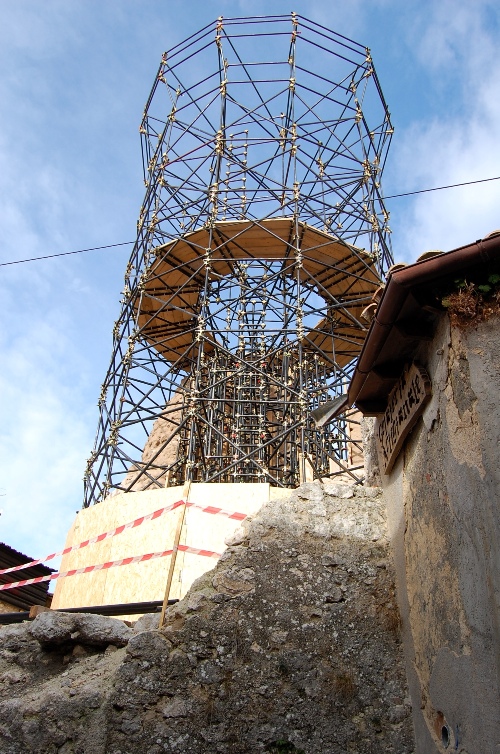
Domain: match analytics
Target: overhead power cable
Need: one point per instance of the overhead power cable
(67, 253)
(127, 243)
(440, 188)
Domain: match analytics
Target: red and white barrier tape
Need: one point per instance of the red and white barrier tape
(218, 511)
(111, 564)
(131, 525)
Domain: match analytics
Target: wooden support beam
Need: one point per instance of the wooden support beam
(175, 549)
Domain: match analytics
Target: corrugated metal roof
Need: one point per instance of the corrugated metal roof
(23, 597)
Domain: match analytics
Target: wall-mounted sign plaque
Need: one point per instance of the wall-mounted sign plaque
(405, 404)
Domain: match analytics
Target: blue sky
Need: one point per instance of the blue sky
(75, 75)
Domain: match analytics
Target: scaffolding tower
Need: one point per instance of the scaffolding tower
(262, 237)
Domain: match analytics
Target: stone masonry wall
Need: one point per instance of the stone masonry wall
(291, 644)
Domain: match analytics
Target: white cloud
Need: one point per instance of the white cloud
(453, 33)
(457, 46)
(42, 437)
(444, 154)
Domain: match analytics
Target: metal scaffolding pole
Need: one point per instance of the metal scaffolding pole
(262, 237)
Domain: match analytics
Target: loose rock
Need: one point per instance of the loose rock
(53, 628)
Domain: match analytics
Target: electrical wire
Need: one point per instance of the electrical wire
(440, 188)
(127, 243)
(67, 253)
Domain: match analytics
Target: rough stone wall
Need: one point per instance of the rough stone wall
(445, 522)
(291, 644)
(158, 448)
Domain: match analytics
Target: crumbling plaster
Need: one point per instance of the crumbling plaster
(444, 522)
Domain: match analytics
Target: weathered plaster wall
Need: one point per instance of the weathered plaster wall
(444, 521)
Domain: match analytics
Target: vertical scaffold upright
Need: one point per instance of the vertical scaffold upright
(262, 237)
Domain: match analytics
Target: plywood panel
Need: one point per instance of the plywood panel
(146, 581)
(125, 583)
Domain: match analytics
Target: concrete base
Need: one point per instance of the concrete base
(147, 581)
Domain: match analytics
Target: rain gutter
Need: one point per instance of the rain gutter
(397, 290)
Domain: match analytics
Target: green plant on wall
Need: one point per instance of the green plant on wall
(473, 300)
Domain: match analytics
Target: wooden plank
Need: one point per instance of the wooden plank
(326, 261)
(175, 549)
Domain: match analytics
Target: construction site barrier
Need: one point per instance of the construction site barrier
(118, 530)
(111, 564)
